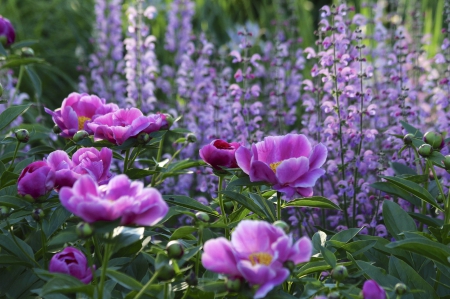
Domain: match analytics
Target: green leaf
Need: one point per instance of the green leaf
(400, 169)
(393, 189)
(346, 235)
(328, 256)
(65, 236)
(124, 280)
(246, 202)
(397, 220)
(65, 284)
(125, 236)
(13, 62)
(184, 232)
(358, 247)
(245, 181)
(11, 260)
(12, 201)
(57, 219)
(315, 267)
(409, 276)
(187, 202)
(24, 252)
(412, 130)
(413, 188)
(24, 43)
(425, 247)
(427, 219)
(11, 114)
(312, 202)
(134, 173)
(265, 205)
(35, 80)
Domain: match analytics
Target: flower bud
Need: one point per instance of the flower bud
(22, 135)
(84, 230)
(446, 162)
(7, 33)
(175, 250)
(4, 211)
(229, 207)
(408, 139)
(434, 139)
(233, 285)
(191, 138)
(400, 288)
(37, 214)
(202, 216)
(169, 121)
(27, 52)
(191, 279)
(80, 135)
(283, 225)
(56, 129)
(143, 138)
(289, 265)
(166, 272)
(1, 89)
(440, 198)
(425, 150)
(339, 273)
(334, 295)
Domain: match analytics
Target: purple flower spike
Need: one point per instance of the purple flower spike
(7, 33)
(256, 253)
(289, 163)
(371, 290)
(121, 198)
(73, 262)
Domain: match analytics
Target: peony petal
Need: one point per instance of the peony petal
(309, 179)
(260, 171)
(280, 277)
(243, 158)
(291, 169)
(306, 192)
(301, 251)
(218, 257)
(318, 156)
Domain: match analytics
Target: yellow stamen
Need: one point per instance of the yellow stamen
(260, 258)
(274, 166)
(81, 121)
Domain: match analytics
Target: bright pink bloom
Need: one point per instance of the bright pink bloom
(371, 290)
(77, 110)
(256, 253)
(73, 262)
(118, 126)
(289, 163)
(220, 153)
(121, 198)
(90, 160)
(37, 179)
(7, 31)
(61, 163)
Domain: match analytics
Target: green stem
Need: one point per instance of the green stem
(278, 205)
(90, 260)
(44, 245)
(105, 260)
(15, 155)
(424, 203)
(441, 190)
(147, 285)
(186, 293)
(200, 242)
(166, 290)
(158, 158)
(125, 164)
(19, 80)
(222, 208)
(98, 254)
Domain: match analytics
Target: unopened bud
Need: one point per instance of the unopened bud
(37, 214)
(27, 52)
(446, 162)
(22, 135)
(408, 139)
(4, 212)
(191, 279)
(339, 273)
(233, 285)
(84, 230)
(400, 288)
(425, 150)
(169, 121)
(283, 225)
(57, 129)
(202, 216)
(143, 138)
(175, 250)
(80, 135)
(166, 272)
(191, 138)
(434, 139)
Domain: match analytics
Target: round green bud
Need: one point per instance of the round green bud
(27, 52)
(202, 216)
(446, 162)
(289, 265)
(170, 120)
(339, 273)
(233, 285)
(400, 288)
(143, 138)
(80, 135)
(84, 230)
(191, 279)
(425, 150)
(1, 89)
(4, 212)
(434, 139)
(440, 198)
(56, 129)
(283, 225)
(22, 135)
(175, 250)
(166, 272)
(37, 214)
(229, 207)
(408, 139)
(191, 138)
(334, 295)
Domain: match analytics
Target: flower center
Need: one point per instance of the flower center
(260, 258)
(81, 121)
(274, 166)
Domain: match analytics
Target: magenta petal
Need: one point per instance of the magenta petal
(252, 236)
(218, 257)
(70, 119)
(260, 171)
(280, 277)
(306, 192)
(301, 251)
(58, 160)
(287, 190)
(255, 274)
(291, 169)
(243, 158)
(318, 156)
(309, 179)
(294, 146)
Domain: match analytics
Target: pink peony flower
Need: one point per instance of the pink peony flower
(77, 110)
(121, 198)
(62, 165)
(256, 253)
(289, 163)
(220, 153)
(73, 262)
(371, 290)
(118, 126)
(7, 33)
(96, 163)
(37, 179)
